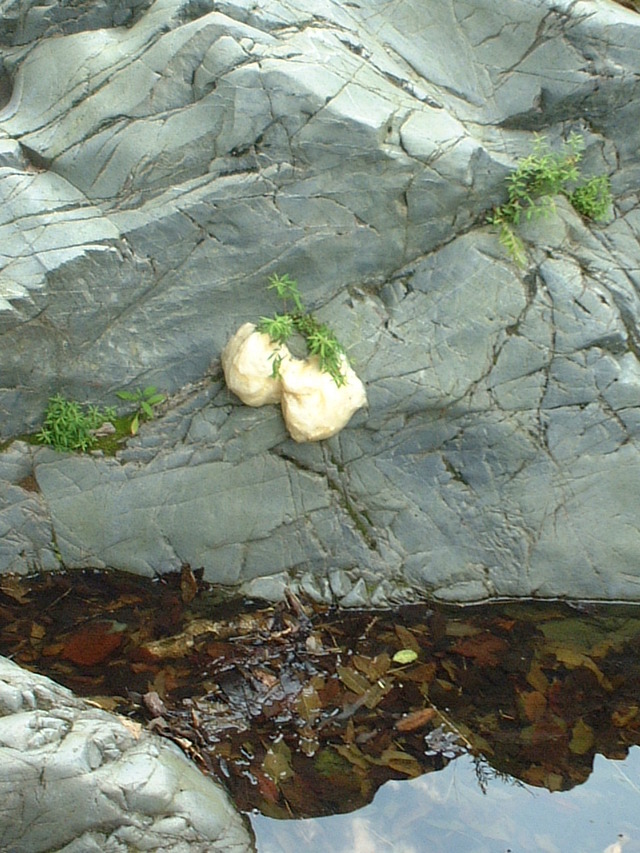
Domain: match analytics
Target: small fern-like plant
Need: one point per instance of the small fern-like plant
(69, 425)
(319, 338)
(539, 177)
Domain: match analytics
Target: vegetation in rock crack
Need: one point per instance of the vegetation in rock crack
(145, 399)
(69, 425)
(593, 199)
(539, 177)
(319, 338)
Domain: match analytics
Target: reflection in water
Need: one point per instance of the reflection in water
(306, 712)
(447, 812)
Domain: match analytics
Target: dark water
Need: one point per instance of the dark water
(509, 727)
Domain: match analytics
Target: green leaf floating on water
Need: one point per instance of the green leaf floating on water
(405, 656)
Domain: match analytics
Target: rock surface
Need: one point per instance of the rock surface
(74, 778)
(159, 161)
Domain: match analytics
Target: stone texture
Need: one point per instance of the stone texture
(159, 162)
(77, 779)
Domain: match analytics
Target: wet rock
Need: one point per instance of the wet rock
(75, 777)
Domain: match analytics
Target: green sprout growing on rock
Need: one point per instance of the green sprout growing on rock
(69, 425)
(540, 176)
(146, 399)
(319, 338)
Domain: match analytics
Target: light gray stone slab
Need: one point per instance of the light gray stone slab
(159, 161)
(76, 778)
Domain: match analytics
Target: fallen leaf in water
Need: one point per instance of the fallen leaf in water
(537, 679)
(485, 649)
(582, 738)
(423, 673)
(534, 704)
(353, 755)
(92, 644)
(461, 629)
(416, 720)
(573, 659)
(277, 762)
(408, 639)
(353, 680)
(308, 704)
(188, 584)
(405, 656)
(623, 716)
(377, 692)
(373, 668)
(13, 587)
(267, 787)
(401, 761)
(37, 631)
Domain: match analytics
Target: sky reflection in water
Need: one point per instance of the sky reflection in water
(447, 812)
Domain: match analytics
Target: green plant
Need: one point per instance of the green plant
(593, 199)
(145, 399)
(69, 425)
(319, 338)
(540, 176)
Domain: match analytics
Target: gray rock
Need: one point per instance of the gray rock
(158, 163)
(76, 778)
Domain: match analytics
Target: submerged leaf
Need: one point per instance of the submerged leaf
(353, 680)
(405, 656)
(485, 649)
(416, 720)
(373, 668)
(277, 762)
(401, 761)
(408, 640)
(582, 738)
(308, 704)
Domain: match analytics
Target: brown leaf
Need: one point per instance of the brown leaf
(401, 762)
(353, 680)
(14, 588)
(416, 720)
(485, 649)
(188, 584)
(37, 631)
(377, 692)
(573, 659)
(267, 786)
(373, 668)
(92, 644)
(354, 755)
(534, 704)
(423, 673)
(407, 639)
(621, 717)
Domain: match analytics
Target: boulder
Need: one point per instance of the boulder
(158, 162)
(314, 407)
(76, 778)
(248, 364)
